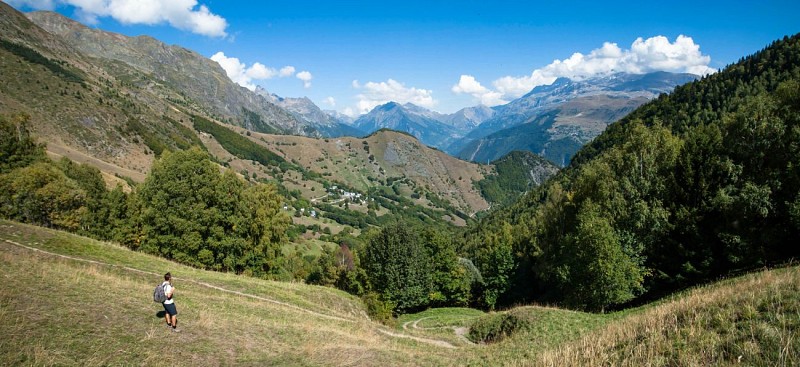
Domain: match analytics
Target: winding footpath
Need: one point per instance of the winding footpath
(460, 331)
(438, 343)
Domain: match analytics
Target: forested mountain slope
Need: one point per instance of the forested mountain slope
(690, 186)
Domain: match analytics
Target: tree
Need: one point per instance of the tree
(17, 147)
(178, 203)
(399, 268)
(265, 225)
(193, 214)
(600, 271)
(495, 260)
(41, 194)
(451, 281)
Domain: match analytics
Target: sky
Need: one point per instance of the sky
(351, 56)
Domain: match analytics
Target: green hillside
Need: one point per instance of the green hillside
(689, 187)
(63, 296)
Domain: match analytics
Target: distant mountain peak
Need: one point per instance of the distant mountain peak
(557, 119)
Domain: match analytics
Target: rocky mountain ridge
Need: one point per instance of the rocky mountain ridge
(417, 121)
(325, 124)
(556, 120)
(196, 77)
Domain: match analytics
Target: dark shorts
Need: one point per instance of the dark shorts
(170, 308)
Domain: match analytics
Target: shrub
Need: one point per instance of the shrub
(495, 327)
(378, 309)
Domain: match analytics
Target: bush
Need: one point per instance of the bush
(495, 327)
(378, 309)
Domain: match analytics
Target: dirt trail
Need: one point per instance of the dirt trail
(439, 343)
(459, 331)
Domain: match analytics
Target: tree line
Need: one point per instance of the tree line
(186, 210)
(687, 188)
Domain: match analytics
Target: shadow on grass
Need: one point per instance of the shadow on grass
(160, 314)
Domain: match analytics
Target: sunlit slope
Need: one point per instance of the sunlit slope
(68, 300)
(96, 308)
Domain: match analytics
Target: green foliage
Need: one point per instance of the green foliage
(42, 194)
(399, 268)
(599, 272)
(378, 309)
(415, 268)
(183, 137)
(689, 187)
(451, 280)
(153, 141)
(495, 327)
(513, 177)
(17, 147)
(495, 260)
(255, 122)
(190, 213)
(241, 146)
(34, 57)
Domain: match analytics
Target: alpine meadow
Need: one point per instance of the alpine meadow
(624, 206)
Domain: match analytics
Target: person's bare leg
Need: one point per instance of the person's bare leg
(166, 318)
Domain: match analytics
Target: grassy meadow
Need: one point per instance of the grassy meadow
(85, 302)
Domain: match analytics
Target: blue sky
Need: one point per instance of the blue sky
(351, 56)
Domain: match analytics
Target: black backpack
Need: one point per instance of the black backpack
(159, 296)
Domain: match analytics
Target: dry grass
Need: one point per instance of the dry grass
(69, 311)
(754, 320)
(60, 311)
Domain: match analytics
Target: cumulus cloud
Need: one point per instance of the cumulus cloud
(257, 71)
(182, 14)
(286, 71)
(243, 75)
(374, 94)
(306, 77)
(330, 101)
(467, 84)
(644, 56)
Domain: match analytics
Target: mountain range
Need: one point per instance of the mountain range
(117, 103)
(553, 120)
(323, 123)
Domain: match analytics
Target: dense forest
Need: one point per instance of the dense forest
(691, 186)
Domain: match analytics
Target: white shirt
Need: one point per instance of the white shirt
(167, 290)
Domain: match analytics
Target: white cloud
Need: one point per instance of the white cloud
(375, 94)
(259, 71)
(330, 101)
(644, 56)
(244, 76)
(467, 84)
(286, 71)
(306, 77)
(349, 111)
(182, 14)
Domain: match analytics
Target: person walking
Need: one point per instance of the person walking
(171, 315)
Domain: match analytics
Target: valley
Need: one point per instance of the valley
(625, 206)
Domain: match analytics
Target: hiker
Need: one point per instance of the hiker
(169, 305)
